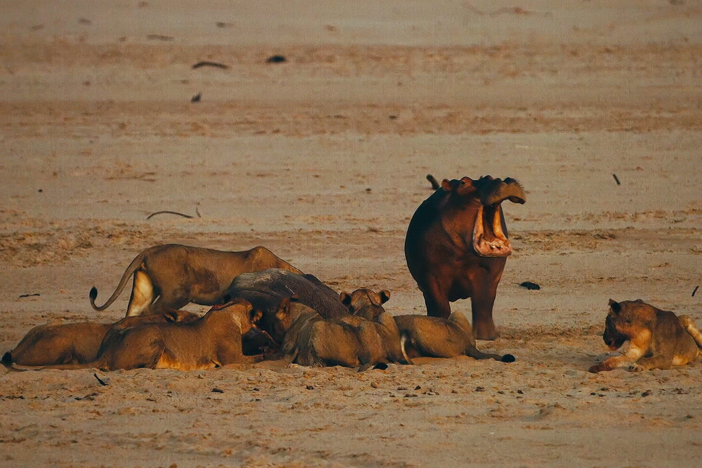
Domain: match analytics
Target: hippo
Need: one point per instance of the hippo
(457, 246)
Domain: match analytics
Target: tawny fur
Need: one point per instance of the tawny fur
(74, 343)
(171, 276)
(351, 341)
(444, 338)
(365, 303)
(211, 341)
(658, 339)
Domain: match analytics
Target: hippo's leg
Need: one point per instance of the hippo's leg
(482, 301)
(436, 300)
(484, 283)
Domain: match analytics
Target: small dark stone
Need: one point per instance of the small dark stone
(196, 98)
(479, 389)
(276, 59)
(217, 390)
(646, 393)
(529, 285)
(508, 358)
(309, 387)
(40, 190)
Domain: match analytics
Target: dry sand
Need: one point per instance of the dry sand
(322, 159)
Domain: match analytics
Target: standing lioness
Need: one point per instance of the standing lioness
(658, 339)
(171, 276)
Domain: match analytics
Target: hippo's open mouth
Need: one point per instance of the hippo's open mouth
(489, 240)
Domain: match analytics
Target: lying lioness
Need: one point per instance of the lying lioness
(350, 341)
(210, 341)
(72, 343)
(658, 339)
(436, 337)
(171, 276)
(58, 343)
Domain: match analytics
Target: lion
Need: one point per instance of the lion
(171, 276)
(58, 343)
(350, 341)
(658, 339)
(213, 340)
(365, 303)
(424, 336)
(73, 343)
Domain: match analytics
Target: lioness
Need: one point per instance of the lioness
(58, 343)
(658, 339)
(72, 343)
(365, 303)
(213, 340)
(350, 341)
(436, 337)
(171, 276)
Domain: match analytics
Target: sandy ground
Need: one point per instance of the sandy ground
(322, 159)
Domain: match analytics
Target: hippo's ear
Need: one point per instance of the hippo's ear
(615, 306)
(384, 296)
(447, 185)
(345, 298)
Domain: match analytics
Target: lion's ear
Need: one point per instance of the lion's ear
(384, 296)
(283, 309)
(172, 315)
(615, 306)
(345, 298)
(255, 316)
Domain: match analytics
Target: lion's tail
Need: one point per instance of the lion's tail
(403, 344)
(476, 354)
(13, 366)
(131, 269)
(692, 329)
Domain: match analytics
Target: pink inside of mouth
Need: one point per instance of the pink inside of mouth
(488, 238)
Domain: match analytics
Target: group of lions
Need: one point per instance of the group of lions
(264, 308)
(268, 305)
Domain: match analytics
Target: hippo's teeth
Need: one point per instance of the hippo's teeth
(497, 225)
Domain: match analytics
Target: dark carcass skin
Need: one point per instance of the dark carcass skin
(266, 290)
